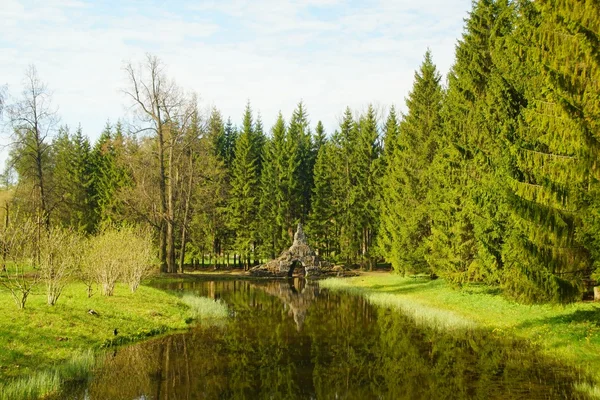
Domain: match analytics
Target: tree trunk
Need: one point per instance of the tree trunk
(171, 267)
(186, 212)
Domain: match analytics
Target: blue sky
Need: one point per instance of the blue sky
(329, 53)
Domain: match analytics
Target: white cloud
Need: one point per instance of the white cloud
(272, 52)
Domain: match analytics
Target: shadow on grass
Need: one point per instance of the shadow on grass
(578, 316)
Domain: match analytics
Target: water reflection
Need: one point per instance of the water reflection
(289, 340)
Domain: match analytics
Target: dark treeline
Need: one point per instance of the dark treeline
(492, 177)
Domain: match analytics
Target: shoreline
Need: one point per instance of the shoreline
(569, 333)
(42, 347)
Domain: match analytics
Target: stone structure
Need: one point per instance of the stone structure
(300, 255)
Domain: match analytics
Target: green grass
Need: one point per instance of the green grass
(570, 332)
(41, 383)
(204, 308)
(42, 346)
(40, 335)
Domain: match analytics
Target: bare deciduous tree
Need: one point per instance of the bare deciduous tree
(33, 120)
(166, 111)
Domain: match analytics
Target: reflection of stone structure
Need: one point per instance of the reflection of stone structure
(299, 255)
(296, 294)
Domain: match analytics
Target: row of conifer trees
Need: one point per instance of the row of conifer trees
(491, 177)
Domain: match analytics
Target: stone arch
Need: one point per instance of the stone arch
(295, 265)
(285, 264)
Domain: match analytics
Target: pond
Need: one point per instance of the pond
(292, 340)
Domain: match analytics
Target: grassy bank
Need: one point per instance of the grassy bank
(42, 345)
(570, 332)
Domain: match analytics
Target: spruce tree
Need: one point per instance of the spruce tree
(73, 180)
(365, 190)
(108, 175)
(244, 195)
(469, 219)
(301, 182)
(553, 151)
(323, 214)
(229, 140)
(272, 217)
(408, 219)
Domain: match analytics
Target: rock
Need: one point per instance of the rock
(300, 252)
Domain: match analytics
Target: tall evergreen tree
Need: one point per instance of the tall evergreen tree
(216, 133)
(73, 180)
(301, 144)
(553, 151)
(469, 220)
(272, 213)
(408, 221)
(346, 142)
(388, 192)
(322, 218)
(230, 137)
(244, 195)
(367, 171)
(108, 175)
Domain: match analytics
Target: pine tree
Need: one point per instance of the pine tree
(553, 151)
(323, 214)
(469, 219)
(244, 195)
(408, 219)
(367, 171)
(108, 175)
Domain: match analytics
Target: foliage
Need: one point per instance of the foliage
(60, 257)
(119, 253)
(17, 257)
(492, 178)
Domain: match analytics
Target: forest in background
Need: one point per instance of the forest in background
(491, 177)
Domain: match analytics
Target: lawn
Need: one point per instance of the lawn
(42, 342)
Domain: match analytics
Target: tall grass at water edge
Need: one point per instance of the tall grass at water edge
(205, 309)
(570, 333)
(44, 383)
(422, 314)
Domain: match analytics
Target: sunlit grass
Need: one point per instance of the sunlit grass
(422, 314)
(569, 332)
(40, 337)
(205, 309)
(42, 383)
(592, 391)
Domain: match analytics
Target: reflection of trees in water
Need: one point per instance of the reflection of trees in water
(346, 349)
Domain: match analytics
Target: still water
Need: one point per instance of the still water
(292, 340)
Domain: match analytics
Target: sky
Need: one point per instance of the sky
(328, 53)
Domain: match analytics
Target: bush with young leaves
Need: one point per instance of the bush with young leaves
(17, 250)
(60, 257)
(120, 253)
